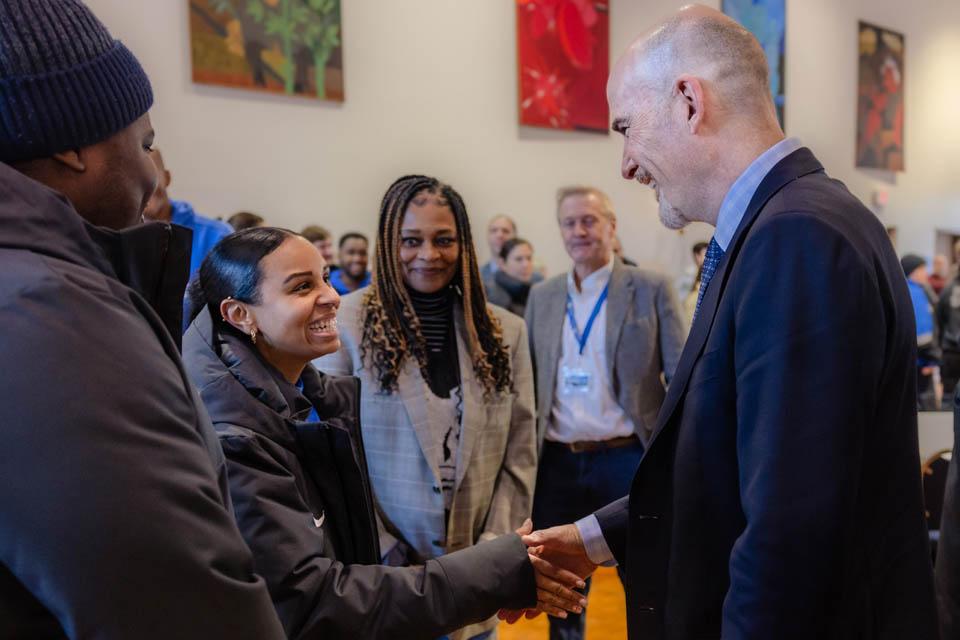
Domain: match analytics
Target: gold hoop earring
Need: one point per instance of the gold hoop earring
(253, 335)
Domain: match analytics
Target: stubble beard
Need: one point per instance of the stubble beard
(670, 216)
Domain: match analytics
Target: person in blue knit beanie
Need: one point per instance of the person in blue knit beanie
(73, 109)
(115, 513)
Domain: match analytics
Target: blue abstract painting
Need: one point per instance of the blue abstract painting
(767, 20)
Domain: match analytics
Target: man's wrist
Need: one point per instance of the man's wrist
(594, 543)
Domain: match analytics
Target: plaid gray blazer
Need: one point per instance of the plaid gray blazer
(495, 479)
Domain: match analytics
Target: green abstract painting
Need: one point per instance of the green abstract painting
(280, 46)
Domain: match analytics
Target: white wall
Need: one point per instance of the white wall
(431, 88)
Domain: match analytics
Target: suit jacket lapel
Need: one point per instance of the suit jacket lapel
(413, 389)
(799, 163)
(618, 300)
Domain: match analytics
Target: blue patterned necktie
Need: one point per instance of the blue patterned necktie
(710, 262)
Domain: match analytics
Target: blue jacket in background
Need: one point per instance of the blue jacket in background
(206, 231)
(336, 281)
(922, 311)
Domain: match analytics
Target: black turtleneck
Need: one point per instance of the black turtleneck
(435, 311)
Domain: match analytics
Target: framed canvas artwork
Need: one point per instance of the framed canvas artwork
(563, 57)
(767, 21)
(280, 46)
(880, 99)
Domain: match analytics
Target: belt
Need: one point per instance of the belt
(598, 445)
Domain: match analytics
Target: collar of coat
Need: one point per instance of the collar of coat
(253, 394)
(152, 259)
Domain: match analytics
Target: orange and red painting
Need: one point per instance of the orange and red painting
(880, 99)
(563, 51)
(280, 46)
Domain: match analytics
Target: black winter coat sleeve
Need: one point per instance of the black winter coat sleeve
(319, 597)
(112, 519)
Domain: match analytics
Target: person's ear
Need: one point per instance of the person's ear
(71, 159)
(689, 90)
(167, 178)
(238, 315)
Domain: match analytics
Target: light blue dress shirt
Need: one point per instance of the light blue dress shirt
(732, 210)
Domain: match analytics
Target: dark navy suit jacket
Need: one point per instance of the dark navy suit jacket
(780, 496)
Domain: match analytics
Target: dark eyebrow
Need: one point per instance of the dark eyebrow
(297, 275)
(619, 125)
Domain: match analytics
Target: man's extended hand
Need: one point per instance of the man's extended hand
(559, 558)
(563, 547)
(555, 594)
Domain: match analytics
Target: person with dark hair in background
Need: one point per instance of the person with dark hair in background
(690, 279)
(244, 220)
(510, 285)
(689, 298)
(354, 257)
(446, 383)
(948, 322)
(263, 309)
(160, 208)
(939, 274)
(116, 515)
(322, 239)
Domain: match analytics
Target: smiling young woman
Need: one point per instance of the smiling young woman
(447, 392)
(291, 436)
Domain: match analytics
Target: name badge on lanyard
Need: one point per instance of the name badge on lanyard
(577, 380)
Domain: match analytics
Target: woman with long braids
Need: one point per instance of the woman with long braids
(447, 391)
(263, 308)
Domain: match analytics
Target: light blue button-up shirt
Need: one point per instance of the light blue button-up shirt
(732, 210)
(738, 198)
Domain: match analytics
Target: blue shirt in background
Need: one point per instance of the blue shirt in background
(336, 281)
(206, 231)
(923, 314)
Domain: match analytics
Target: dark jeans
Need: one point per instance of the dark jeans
(926, 394)
(573, 485)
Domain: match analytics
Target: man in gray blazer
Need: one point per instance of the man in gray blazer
(604, 337)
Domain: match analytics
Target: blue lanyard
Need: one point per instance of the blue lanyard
(582, 339)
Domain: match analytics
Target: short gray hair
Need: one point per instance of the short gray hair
(585, 190)
(733, 57)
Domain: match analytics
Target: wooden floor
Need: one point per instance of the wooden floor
(606, 617)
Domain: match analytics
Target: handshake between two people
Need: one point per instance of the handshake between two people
(561, 565)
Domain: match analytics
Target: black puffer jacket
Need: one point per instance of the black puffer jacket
(303, 502)
(112, 520)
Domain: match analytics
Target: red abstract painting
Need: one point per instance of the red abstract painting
(563, 60)
(880, 100)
